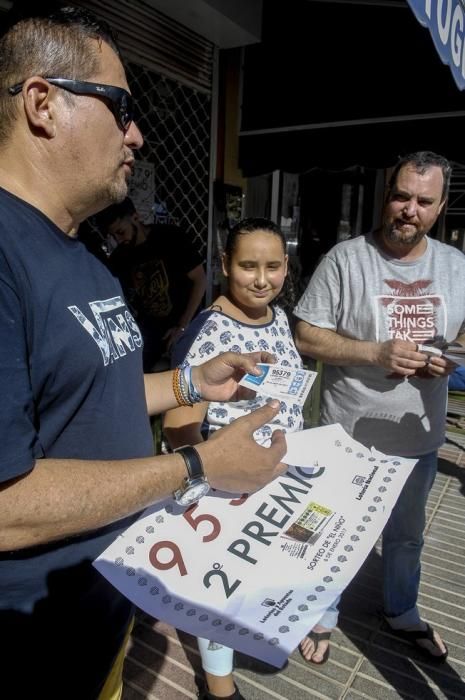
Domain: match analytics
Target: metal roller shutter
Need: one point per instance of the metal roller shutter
(151, 39)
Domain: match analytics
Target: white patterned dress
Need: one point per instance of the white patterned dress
(211, 333)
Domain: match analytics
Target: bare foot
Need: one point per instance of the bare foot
(308, 646)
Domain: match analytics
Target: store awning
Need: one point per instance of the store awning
(445, 20)
(338, 84)
(376, 144)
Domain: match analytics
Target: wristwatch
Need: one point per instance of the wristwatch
(195, 485)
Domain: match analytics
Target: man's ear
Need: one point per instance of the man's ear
(40, 105)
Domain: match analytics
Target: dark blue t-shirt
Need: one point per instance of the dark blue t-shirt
(72, 387)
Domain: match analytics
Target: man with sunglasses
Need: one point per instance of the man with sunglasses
(76, 458)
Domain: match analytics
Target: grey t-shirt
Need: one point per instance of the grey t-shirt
(361, 293)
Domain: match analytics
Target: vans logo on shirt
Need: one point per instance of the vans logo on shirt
(113, 328)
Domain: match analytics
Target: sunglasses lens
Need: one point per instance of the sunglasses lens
(126, 111)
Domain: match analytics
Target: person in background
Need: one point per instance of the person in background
(76, 459)
(92, 240)
(368, 306)
(161, 273)
(247, 317)
(457, 379)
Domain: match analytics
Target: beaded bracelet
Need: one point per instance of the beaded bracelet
(180, 388)
(184, 389)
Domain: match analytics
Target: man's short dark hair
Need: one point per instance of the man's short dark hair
(108, 216)
(47, 39)
(421, 161)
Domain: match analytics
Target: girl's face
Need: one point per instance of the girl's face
(255, 270)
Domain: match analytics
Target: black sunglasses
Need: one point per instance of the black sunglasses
(121, 102)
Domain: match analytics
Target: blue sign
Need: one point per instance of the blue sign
(445, 20)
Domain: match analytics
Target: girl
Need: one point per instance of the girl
(246, 318)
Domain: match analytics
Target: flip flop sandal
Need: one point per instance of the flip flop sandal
(414, 636)
(316, 638)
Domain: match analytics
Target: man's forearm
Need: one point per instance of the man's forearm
(195, 298)
(159, 394)
(60, 498)
(333, 348)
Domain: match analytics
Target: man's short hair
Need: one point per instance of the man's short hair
(51, 39)
(421, 161)
(108, 216)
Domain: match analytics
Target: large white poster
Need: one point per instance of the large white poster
(257, 573)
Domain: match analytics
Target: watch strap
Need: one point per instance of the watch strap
(194, 464)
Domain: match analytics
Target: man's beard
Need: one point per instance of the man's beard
(392, 235)
(118, 191)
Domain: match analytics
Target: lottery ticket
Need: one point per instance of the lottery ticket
(310, 524)
(451, 351)
(281, 382)
(455, 353)
(429, 350)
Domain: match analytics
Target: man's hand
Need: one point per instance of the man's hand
(439, 366)
(218, 378)
(400, 356)
(232, 459)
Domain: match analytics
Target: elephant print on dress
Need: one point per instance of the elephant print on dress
(226, 337)
(206, 349)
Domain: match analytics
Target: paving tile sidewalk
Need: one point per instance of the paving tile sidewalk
(366, 661)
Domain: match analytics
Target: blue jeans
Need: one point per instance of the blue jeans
(402, 545)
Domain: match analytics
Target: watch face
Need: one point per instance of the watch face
(192, 493)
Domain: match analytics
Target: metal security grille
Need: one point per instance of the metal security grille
(175, 122)
(170, 72)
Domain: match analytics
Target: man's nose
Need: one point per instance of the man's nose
(133, 137)
(410, 208)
